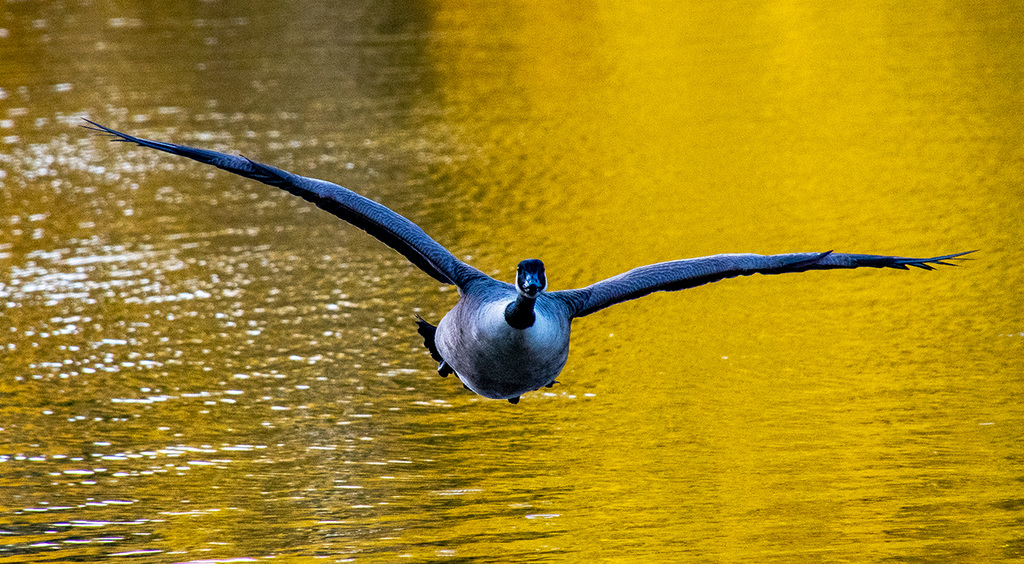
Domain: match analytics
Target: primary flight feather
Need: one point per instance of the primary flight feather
(503, 340)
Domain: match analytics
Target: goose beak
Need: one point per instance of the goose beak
(531, 285)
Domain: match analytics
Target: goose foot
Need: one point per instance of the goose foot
(514, 400)
(444, 370)
(552, 384)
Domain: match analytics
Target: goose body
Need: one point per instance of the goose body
(496, 360)
(503, 340)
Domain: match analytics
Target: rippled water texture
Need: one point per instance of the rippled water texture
(196, 367)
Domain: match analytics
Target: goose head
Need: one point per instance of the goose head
(530, 279)
(530, 282)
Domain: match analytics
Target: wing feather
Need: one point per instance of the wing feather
(389, 227)
(688, 273)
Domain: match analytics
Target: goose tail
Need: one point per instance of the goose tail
(428, 331)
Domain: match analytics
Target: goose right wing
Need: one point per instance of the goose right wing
(688, 273)
(389, 227)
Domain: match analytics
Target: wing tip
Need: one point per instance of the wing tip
(115, 134)
(931, 262)
(93, 126)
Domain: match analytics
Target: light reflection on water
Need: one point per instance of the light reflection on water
(195, 367)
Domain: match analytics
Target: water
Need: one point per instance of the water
(195, 367)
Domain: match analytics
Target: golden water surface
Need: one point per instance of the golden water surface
(197, 367)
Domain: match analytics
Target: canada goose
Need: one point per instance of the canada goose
(503, 340)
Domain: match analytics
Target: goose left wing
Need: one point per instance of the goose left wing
(688, 273)
(376, 219)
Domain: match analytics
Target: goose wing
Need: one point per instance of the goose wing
(389, 227)
(688, 273)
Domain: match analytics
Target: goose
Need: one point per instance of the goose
(503, 340)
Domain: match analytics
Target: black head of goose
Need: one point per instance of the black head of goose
(503, 340)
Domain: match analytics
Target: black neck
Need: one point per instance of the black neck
(519, 314)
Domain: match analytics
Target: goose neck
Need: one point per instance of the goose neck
(519, 314)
